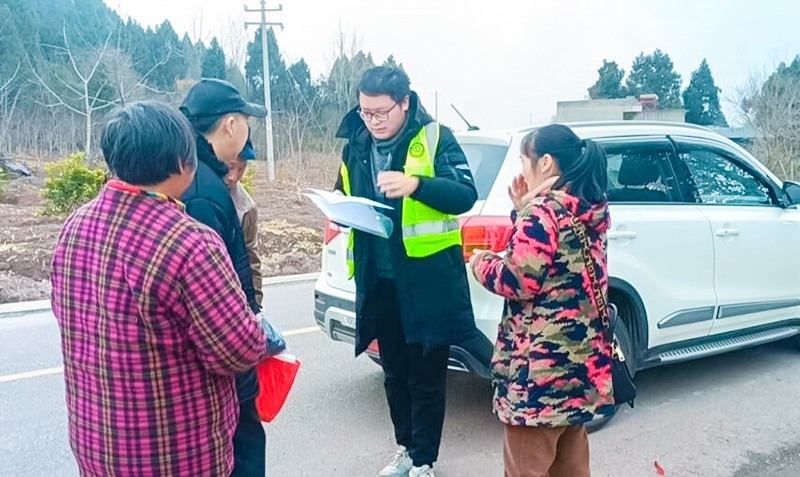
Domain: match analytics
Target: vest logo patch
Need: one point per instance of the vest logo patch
(416, 150)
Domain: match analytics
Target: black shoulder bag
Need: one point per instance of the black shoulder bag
(624, 387)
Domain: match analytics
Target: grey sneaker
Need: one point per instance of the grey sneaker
(399, 465)
(424, 471)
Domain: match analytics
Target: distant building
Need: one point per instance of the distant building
(623, 109)
(744, 136)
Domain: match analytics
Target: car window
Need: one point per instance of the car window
(484, 161)
(638, 173)
(712, 177)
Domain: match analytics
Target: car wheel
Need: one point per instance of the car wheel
(626, 343)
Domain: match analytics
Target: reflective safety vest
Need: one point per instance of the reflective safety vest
(425, 229)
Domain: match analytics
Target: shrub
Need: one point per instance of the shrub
(247, 179)
(70, 183)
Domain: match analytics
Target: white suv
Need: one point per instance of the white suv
(702, 249)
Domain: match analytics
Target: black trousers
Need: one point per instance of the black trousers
(249, 443)
(415, 382)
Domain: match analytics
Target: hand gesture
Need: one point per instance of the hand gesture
(396, 185)
(517, 192)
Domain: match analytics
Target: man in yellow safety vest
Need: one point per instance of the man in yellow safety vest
(411, 289)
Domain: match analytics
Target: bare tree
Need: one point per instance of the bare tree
(118, 67)
(348, 62)
(8, 105)
(234, 41)
(80, 94)
(343, 76)
(9, 94)
(198, 33)
(301, 119)
(772, 109)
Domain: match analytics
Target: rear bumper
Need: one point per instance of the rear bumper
(334, 312)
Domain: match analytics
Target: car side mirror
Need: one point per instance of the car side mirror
(791, 192)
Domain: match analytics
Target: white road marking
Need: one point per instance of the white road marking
(302, 331)
(60, 369)
(31, 374)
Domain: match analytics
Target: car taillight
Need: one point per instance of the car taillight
(485, 233)
(373, 349)
(331, 231)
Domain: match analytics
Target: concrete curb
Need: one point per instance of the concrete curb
(283, 280)
(9, 310)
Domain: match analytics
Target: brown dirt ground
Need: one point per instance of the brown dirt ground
(290, 230)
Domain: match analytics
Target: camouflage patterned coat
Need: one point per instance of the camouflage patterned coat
(552, 364)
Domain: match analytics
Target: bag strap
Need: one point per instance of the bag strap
(597, 291)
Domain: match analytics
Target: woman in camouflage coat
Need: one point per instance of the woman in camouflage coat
(552, 363)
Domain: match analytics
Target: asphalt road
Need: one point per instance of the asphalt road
(734, 414)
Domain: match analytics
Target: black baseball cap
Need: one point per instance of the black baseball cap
(214, 97)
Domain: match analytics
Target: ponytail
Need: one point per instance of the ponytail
(583, 164)
(587, 177)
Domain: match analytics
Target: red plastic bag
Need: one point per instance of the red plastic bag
(276, 376)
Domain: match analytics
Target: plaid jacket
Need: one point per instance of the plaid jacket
(153, 327)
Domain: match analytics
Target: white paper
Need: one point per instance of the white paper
(284, 356)
(335, 198)
(356, 212)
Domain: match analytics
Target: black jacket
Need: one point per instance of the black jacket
(209, 201)
(434, 298)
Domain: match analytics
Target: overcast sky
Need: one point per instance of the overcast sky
(506, 63)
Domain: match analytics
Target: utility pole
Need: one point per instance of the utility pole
(436, 107)
(267, 97)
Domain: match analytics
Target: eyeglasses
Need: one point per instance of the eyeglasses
(381, 116)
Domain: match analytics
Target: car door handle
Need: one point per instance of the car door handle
(727, 232)
(621, 234)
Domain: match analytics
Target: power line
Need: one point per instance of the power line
(267, 96)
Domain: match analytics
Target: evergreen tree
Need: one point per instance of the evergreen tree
(280, 86)
(214, 61)
(785, 77)
(135, 43)
(656, 74)
(390, 61)
(300, 76)
(164, 43)
(235, 76)
(193, 53)
(12, 52)
(609, 82)
(701, 99)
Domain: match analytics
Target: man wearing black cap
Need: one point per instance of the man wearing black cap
(219, 115)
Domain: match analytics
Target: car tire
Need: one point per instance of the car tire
(626, 343)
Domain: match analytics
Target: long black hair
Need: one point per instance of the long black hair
(583, 164)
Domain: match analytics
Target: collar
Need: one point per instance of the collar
(205, 153)
(122, 186)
